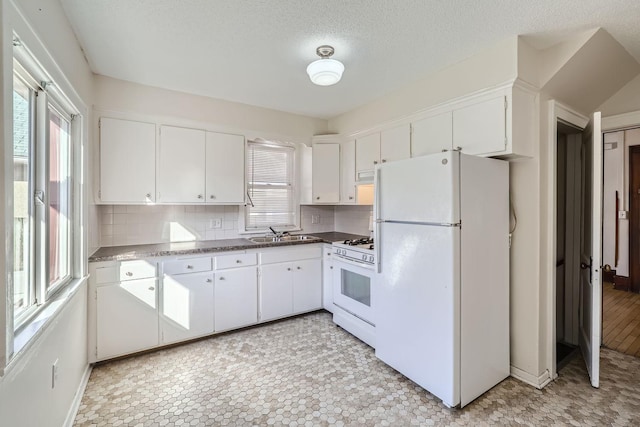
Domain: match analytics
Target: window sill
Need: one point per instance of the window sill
(35, 327)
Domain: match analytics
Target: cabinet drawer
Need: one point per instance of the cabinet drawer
(269, 257)
(138, 269)
(233, 261)
(189, 265)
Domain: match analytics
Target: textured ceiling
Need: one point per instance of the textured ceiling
(256, 51)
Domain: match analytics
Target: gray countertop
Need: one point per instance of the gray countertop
(118, 253)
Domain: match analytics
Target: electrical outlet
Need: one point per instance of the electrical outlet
(315, 219)
(54, 374)
(215, 223)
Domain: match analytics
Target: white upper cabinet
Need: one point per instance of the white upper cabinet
(181, 165)
(432, 134)
(127, 161)
(480, 128)
(395, 143)
(225, 174)
(386, 146)
(348, 176)
(326, 173)
(367, 155)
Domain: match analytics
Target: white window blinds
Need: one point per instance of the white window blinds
(270, 186)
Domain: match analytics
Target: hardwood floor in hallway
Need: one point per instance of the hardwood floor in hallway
(621, 320)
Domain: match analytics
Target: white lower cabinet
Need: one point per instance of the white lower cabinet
(236, 298)
(126, 317)
(290, 287)
(186, 307)
(276, 291)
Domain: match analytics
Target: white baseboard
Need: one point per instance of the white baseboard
(77, 399)
(538, 382)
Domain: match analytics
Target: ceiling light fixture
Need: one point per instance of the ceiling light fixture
(325, 71)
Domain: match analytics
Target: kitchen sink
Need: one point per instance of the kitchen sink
(282, 239)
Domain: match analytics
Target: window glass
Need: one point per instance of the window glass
(270, 187)
(59, 198)
(22, 207)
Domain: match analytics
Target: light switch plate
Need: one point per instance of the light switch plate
(623, 214)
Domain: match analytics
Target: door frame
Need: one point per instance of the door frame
(556, 112)
(634, 248)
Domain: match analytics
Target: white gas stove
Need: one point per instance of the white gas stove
(354, 287)
(359, 251)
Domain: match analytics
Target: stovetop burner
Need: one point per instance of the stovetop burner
(357, 242)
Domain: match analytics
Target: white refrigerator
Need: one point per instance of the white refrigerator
(442, 292)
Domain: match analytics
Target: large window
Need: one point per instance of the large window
(270, 178)
(42, 189)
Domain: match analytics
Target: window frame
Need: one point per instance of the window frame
(45, 97)
(295, 196)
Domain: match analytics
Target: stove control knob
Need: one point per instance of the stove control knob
(364, 257)
(370, 258)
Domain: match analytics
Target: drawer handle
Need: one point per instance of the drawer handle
(209, 280)
(238, 261)
(221, 278)
(129, 273)
(212, 196)
(189, 267)
(298, 267)
(151, 288)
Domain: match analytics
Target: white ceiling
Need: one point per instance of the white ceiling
(256, 51)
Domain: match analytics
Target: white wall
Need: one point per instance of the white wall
(26, 396)
(126, 97)
(491, 67)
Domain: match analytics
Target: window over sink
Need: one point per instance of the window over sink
(271, 190)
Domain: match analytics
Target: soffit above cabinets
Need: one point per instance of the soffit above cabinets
(257, 52)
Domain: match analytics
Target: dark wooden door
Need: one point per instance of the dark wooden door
(634, 218)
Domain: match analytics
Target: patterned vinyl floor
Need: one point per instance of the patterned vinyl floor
(306, 371)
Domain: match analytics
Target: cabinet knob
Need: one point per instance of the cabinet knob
(209, 280)
(458, 149)
(189, 267)
(128, 273)
(384, 160)
(375, 162)
(298, 267)
(212, 196)
(238, 261)
(221, 278)
(288, 268)
(148, 195)
(350, 197)
(318, 198)
(331, 267)
(199, 196)
(151, 288)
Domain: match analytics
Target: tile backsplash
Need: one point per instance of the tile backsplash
(353, 219)
(140, 224)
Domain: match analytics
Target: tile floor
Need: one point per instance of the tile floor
(306, 371)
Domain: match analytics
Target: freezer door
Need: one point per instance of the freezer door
(417, 299)
(422, 189)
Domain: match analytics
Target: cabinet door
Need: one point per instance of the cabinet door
(276, 291)
(432, 135)
(326, 173)
(181, 165)
(127, 161)
(186, 306)
(395, 143)
(367, 153)
(348, 176)
(481, 128)
(236, 298)
(327, 280)
(127, 317)
(307, 285)
(225, 173)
